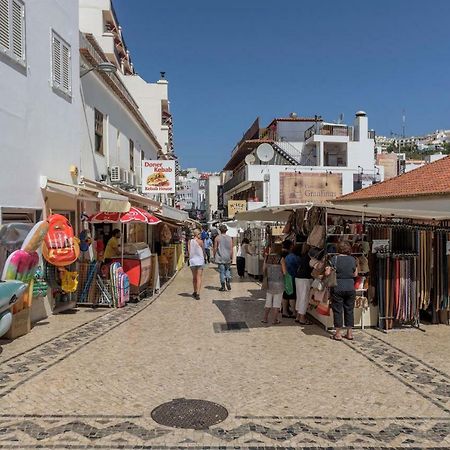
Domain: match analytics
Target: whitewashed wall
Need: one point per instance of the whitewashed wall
(39, 129)
(119, 127)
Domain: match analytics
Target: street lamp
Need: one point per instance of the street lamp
(105, 67)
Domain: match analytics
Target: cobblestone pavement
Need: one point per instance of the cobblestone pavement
(92, 379)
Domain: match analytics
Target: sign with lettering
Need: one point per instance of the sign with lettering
(235, 206)
(309, 187)
(158, 177)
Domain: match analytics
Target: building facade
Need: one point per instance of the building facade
(39, 101)
(312, 160)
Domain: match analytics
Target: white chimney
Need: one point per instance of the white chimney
(361, 126)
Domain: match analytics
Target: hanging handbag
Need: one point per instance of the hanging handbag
(317, 236)
(318, 285)
(363, 264)
(324, 307)
(288, 284)
(331, 280)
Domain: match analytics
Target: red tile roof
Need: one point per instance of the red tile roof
(430, 179)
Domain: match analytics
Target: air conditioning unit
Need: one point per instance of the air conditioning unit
(114, 174)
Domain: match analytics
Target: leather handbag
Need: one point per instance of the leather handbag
(317, 236)
(363, 264)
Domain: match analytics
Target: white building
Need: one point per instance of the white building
(39, 100)
(211, 196)
(98, 18)
(312, 161)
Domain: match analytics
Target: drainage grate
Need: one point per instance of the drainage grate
(189, 413)
(230, 326)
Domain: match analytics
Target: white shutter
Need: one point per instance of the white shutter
(56, 61)
(65, 68)
(18, 28)
(4, 23)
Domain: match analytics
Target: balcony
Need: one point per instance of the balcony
(239, 176)
(323, 129)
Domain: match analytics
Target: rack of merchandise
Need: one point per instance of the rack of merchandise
(257, 235)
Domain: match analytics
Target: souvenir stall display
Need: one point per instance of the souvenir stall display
(21, 265)
(324, 231)
(257, 235)
(127, 276)
(60, 251)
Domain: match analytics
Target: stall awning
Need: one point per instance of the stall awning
(281, 213)
(133, 197)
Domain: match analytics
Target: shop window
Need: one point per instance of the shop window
(131, 155)
(99, 132)
(12, 30)
(61, 65)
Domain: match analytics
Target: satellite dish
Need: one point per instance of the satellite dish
(250, 159)
(265, 152)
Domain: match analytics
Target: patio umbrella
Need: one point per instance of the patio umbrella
(135, 214)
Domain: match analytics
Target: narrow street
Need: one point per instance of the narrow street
(92, 379)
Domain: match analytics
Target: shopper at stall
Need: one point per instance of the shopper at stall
(208, 245)
(243, 251)
(303, 280)
(343, 294)
(274, 270)
(112, 249)
(292, 262)
(223, 255)
(196, 262)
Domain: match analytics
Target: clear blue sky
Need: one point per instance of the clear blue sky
(230, 61)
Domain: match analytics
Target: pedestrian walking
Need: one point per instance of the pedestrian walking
(303, 281)
(208, 245)
(223, 255)
(196, 262)
(343, 294)
(274, 269)
(240, 258)
(289, 295)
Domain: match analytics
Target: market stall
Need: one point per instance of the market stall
(401, 258)
(111, 283)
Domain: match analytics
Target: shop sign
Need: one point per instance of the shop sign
(380, 245)
(158, 177)
(220, 198)
(390, 163)
(314, 187)
(235, 206)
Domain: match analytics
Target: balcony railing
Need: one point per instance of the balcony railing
(238, 177)
(328, 130)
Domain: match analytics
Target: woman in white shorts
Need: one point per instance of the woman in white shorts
(275, 268)
(196, 262)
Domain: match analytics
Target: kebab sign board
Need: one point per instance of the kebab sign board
(158, 177)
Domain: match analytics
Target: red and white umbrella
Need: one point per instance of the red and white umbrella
(133, 215)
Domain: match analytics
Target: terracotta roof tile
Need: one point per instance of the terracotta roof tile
(430, 179)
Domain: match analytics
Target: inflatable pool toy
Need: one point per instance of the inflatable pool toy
(60, 247)
(10, 292)
(34, 239)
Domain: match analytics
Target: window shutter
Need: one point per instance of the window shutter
(56, 59)
(65, 68)
(17, 28)
(4, 23)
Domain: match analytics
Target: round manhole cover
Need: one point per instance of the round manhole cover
(189, 413)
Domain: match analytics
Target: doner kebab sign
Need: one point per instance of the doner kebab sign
(158, 177)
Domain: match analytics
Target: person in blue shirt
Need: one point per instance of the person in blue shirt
(292, 263)
(208, 245)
